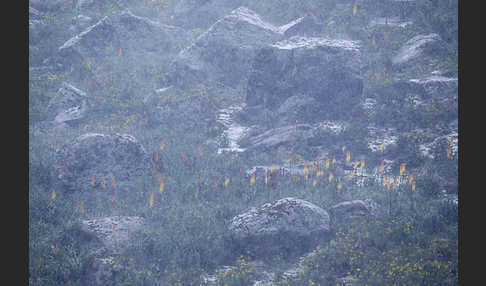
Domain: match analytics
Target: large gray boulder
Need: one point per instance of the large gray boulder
(110, 233)
(288, 225)
(424, 51)
(106, 236)
(353, 209)
(276, 137)
(117, 156)
(69, 105)
(224, 52)
(327, 70)
(122, 33)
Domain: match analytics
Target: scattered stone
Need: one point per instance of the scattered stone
(119, 157)
(275, 227)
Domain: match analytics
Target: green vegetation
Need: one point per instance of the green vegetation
(411, 241)
(187, 224)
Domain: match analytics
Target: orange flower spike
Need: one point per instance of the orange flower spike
(226, 181)
(161, 187)
(413, 186)
(53, 195)
(340, 185)
(326, 164)
(394, 182)
(343, 148)
(330, 177)
(162, 144)
(382, 146)
(252, 179)
(151, 202)
(348, 156)
(362, 164)
(355, 8)
(306, 171)
(355, 164)
(449, 152)
(410, 178)
(382, 166)
(314, 182)
(333, 161)
(402, 168)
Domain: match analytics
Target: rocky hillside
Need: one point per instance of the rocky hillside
(177, 137)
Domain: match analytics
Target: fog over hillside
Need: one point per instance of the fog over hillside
(242, 142)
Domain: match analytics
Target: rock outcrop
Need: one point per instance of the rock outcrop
(353, 209)
(288, 225)
(108, 235)
(327, 70)
(68, 105)
(424, 51)
(105, 157)
(224, 52)
(122, 34)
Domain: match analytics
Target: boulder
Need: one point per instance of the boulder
(434, 87)
(288, 226)
(46, 5)
(119, 156)
(327, 70)
(81, 23)
(110, 232)
(307, 25)
(122, 34)
(424, 51)
(352, 209)
(108, 235)
(187, 109)
(192, 14)
(68, 105)
(276, 137)
(223, 53)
